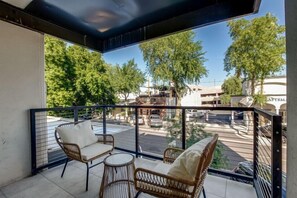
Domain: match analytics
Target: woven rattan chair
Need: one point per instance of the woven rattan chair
(163, 185)
(103, 146)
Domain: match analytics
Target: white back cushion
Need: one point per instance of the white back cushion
(185, 166)
(80, 134)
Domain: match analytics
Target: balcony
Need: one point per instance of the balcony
(241, 136)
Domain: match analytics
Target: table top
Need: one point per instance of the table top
(119, 159)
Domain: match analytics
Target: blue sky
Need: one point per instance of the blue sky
(215, 41)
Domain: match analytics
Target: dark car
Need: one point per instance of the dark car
(238, 115)
(246, 168)
(267, 131)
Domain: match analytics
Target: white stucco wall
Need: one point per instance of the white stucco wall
(291, 37)
(191, 99)
(21, 88)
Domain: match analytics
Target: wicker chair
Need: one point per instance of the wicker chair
(74, 152)
(163, 185)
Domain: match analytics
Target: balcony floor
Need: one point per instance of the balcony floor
(49, 184)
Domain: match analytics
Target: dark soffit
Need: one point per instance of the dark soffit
(105, 25)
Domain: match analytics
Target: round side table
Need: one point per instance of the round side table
(118, 176)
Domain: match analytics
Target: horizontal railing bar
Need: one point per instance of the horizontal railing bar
(55, 163)
(144, 106)
(265, 114)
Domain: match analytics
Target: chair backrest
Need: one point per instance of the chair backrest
(58, 139)
(71, 151)
(205, 162)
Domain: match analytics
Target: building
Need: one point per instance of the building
(209, 96)
(275, 90)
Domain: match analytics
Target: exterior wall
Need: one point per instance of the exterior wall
(21, 88)
(275, 89)
(291, 36)
(191, 99)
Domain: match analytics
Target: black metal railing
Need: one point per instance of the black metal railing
(240, 130)
(268, 174)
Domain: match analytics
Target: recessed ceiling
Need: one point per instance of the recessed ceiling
(104, 25)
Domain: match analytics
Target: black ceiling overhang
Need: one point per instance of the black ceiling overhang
(144, 21)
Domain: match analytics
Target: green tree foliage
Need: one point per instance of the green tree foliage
(130, 79)
(225, 99)
(231, 86)
(92, 80)
(257, 50)
(59, 74)
(75, 75)
(195, 133)
(175, 59)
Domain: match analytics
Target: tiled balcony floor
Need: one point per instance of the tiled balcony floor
(49, 184)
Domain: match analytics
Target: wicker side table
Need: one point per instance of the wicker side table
(118, 176)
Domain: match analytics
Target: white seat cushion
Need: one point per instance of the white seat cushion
(80, 134)
(94, 150)
(185, 166)
(162, 168)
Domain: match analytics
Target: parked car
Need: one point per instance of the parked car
(194, 113)
(155, 121)
(246, 168)
(267, 131)
(140, 120)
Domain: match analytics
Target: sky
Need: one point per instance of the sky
(215, 42)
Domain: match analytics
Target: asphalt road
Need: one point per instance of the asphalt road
(238, 145)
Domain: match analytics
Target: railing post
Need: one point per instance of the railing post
(136, 132)
(256, 146)
(276, 157)
(104, 120)
(33, 141)
(183, 128)
(75, 113)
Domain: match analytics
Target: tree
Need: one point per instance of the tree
(176, 59)
(257, 50)
(59, 74)
(231, 86)
(130, 79)
(91, 77)
(75, 75)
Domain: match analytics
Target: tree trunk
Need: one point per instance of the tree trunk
(177, 111)
(262, 83)
(253, 87)
(126, 109)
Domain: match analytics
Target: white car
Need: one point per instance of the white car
(155, 121)
(140, 120)
(194, 113)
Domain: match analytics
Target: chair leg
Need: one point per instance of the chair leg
(203, 191)
(137, 194)
(64, 167)
(87, 181)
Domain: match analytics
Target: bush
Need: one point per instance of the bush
(195, 133)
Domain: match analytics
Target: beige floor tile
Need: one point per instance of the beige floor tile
(208, 195)
(34, 187)
(215, 185)
(2, 195)
(236, 189)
